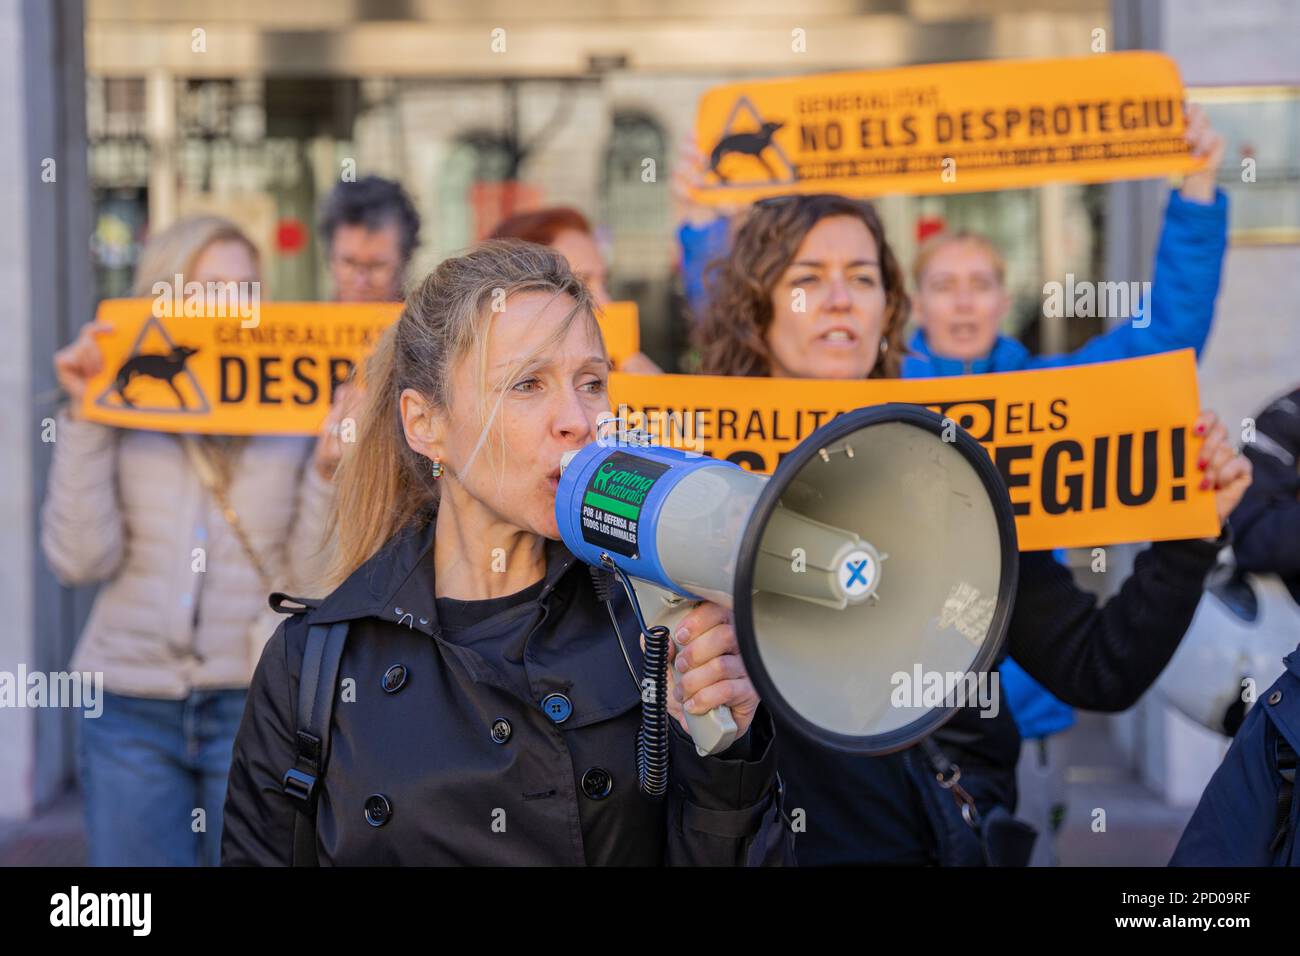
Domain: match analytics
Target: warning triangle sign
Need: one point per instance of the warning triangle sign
(746, 153)
(157, 380)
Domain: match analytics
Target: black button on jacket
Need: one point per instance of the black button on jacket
(454, 793)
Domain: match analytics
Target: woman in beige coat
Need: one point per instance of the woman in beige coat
(186, 536)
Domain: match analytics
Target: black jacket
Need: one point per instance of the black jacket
(1266, 525)
(453, 791)
(868, 810)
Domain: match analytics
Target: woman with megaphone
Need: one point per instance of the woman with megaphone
(811, 289)
(461, 696)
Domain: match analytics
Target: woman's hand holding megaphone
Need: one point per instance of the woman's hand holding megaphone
(707, 671)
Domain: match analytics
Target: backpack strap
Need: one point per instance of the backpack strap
(1284, 759)
(317, 688)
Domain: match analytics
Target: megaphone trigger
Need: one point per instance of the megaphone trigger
(716, 730)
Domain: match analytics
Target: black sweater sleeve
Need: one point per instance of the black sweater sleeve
(1104, 658)
(727, 809)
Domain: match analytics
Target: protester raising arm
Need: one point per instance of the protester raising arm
(82, 527)
(1188, 267)
(961, 298)
(1185, 280)
(702, 231)
(82, 524)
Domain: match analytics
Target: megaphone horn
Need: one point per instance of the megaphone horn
(881, 545)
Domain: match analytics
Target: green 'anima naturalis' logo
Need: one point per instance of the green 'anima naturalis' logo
(624, 485)
(618, 490)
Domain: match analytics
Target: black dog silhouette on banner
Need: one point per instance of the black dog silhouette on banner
(162, 367)
(155, 354)
(746, 144)
(756, 141)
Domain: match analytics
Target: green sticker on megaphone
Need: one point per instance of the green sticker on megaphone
(611, 505)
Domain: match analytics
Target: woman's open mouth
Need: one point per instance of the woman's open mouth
(838, 337)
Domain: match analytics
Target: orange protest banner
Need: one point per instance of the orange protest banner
(235, 375)
(621, 328)
(1092, 454)
(950, 127)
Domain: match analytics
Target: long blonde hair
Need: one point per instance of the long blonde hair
(176, 249)
(383, 485)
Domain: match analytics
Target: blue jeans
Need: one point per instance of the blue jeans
(147, 766)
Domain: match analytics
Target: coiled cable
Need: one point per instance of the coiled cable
(652, 736)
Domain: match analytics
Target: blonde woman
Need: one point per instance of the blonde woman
(185, 536)
(494, 717)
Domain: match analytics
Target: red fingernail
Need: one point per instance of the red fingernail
(1201, 464)
(1200, 429)
(1205, 483)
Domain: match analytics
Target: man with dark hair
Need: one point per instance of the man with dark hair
(369, 229)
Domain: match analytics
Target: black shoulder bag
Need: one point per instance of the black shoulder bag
(965, 836)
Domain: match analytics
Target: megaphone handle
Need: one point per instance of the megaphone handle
(715, 731)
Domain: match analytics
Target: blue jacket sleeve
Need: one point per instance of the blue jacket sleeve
(1184, 286)
(700, 246)
(1236, 820)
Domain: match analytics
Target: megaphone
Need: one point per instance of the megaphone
(883, 544)
(1243, 627)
